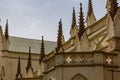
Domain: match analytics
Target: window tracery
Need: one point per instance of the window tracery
(108, 59)
(79, 59)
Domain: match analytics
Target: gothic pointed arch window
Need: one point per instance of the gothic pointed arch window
(78, 77)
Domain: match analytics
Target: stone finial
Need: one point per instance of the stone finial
(29, 63)
(113, 8)
(2, 72)
(81, 22)
(90, 8)
(73, 18)
(0, 25)
(6, 30)
(59, 38)
(19, 69)
(42, 55)
(0, 21)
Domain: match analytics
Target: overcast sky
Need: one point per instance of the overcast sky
(34, 18)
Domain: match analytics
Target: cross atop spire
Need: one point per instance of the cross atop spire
(42, 55)
(81, 22)
(29, 65)
(59, 38)
(90, 8)
(19, 69)
(6, 30)
(73, 18)
(113, 8)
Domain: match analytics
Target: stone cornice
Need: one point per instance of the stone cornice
(83, 65)
(34, 78)
(92, 52)
(19, 52)
(15, 55)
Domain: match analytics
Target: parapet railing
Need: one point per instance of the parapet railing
(81, 59)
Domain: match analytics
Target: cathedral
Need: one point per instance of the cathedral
(91, 53)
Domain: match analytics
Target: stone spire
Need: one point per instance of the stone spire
(90, 9)
(73, 18)
(113, 8)
(19, 69)
(42, 55)
(81, 22)
(29, 65)
(60, 34)
(6, 30)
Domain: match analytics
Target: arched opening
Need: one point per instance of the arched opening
(79, 77)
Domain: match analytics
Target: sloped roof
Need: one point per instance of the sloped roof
(18, 44)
